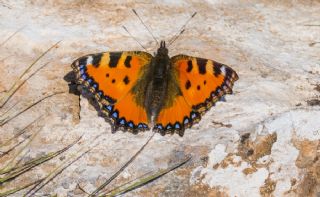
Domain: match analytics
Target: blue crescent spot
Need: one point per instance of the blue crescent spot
(140, 126)
(122, 122)
(109, 107)
(186, 121)
(100, 93)
(84, 76)
(95, 86)
(169, 127)
(130, 124)
(159, 127)
(115, 114)
(82, 72)
(193, 115)
(177, 126)
(81, 67)
(145, 126)
(89, 80)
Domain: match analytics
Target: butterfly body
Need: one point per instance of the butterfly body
(138, 91)
(157, 86)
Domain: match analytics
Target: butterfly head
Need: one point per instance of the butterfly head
(162, 51)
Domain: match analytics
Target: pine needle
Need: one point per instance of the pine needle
(144, 180)
(5, 120)
(11, 36)
(19, 82)
(94, 193)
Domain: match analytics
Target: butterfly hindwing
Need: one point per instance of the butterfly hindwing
(111, 77)
(201, 82)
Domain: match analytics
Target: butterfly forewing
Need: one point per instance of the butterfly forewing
(110, 77)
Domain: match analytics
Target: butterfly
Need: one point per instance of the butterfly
(138, 91)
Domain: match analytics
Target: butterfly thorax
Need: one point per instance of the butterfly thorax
(157, 86)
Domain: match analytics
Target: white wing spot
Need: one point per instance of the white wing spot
(89, 60)
(223, 70)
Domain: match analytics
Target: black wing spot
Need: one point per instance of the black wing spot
(127, 62)
(107, 75)
(188, 84)
(126, 80)
(204, 82)
(96, 59)
(189, 68)
(202, 65)
(113, 81)
(216, 69)
(114, 59)
(198, 87)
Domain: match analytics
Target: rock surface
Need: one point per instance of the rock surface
(264, 141)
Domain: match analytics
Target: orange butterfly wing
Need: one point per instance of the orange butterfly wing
(202, 82)
(111, 77)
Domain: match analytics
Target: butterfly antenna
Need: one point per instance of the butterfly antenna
(134, 11)
(181, 30)
(134, 38)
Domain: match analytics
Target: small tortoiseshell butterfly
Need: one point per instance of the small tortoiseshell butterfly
(136, 90)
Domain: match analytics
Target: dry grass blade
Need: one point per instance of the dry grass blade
(22, 131)
(313, 43)
(12, 161)
(17, 189)
(52, 175)
(18, 170)
(94, 193)
(11, 36)
(5, 120)
(3, 153)
(144, 180)
(9, 109)
(18, 83)
(311, 25)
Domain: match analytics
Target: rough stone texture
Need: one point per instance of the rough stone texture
(264, 141)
